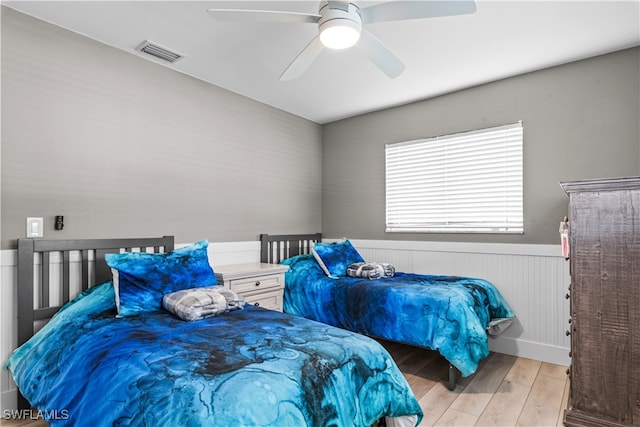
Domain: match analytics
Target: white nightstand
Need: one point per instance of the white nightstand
(261, 284)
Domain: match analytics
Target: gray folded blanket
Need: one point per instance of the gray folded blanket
(198, 303)
(371, 270)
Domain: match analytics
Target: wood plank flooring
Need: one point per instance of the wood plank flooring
(27, 420)
(505, 391)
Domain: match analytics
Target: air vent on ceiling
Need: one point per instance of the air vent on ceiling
(153, 49)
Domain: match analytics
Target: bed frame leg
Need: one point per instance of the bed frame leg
(452, 377)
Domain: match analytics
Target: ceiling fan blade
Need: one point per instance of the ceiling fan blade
(412, 9)
(380, 55)
(262, 16)
(303, 60)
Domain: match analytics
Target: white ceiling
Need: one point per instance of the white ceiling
(502, 39)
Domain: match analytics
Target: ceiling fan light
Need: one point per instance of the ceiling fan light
(339, 33)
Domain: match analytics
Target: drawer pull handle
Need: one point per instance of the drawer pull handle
(258, 283)
(568, 333)
(567, 296)
(257, 304)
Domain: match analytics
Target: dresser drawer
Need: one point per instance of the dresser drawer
(256, 284)
(269, 300)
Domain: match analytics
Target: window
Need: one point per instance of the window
(468, 182)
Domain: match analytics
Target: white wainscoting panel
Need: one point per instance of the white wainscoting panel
(533, 279)
(223, 253)
(226, 253)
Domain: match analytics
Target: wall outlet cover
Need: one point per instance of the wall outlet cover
(35, 227)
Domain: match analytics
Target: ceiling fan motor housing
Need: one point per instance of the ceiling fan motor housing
(339, 28)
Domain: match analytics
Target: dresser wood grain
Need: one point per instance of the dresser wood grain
(604, 228)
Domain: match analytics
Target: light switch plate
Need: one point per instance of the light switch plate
(35, 227)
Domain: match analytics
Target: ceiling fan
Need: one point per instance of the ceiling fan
(340, 26)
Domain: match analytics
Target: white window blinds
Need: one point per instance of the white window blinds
(469, 182)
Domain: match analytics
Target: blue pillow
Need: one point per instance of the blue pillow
(334, 258)
(141, 279)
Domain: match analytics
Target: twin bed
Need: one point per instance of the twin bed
(450, 314)
(112, 357)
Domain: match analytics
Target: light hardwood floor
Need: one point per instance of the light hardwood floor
(27, 421)
(505, 391)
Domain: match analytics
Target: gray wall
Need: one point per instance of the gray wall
(124, 147)
(581, 120)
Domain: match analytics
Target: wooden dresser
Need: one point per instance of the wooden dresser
(604, 236)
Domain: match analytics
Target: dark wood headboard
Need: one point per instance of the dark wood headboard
(275, 248)
(35, 266)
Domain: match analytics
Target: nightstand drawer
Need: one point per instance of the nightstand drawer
(256, 284)
(268, 300)
(259, 283)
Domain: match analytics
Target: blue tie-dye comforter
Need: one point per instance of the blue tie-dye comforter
(248, 367)
(448, 314)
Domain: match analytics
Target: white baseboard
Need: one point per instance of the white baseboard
(530, 350)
